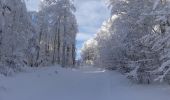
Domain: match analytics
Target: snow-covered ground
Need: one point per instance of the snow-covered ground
(54, 83)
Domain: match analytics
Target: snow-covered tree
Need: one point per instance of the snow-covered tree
(57, 32)
(36, 38)
(89, 52)
(16, 30)
(135, 39)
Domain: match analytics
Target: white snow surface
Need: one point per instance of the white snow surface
(55, 83)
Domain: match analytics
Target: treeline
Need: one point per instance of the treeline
(135, 40)
(57, 28)
(36, 39)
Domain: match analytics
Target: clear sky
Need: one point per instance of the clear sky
(90, 16)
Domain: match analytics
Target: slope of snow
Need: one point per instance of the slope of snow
(54, 83)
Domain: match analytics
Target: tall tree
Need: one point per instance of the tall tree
(63, 27)
(16, 30)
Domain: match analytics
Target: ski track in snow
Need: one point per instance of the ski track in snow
(54, 83)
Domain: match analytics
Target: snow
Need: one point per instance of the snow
(156, 4)
(55, 83)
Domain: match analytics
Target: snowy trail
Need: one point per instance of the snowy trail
(46, 84)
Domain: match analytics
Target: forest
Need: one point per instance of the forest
(134, 40)
(128, 58)
(39, 38)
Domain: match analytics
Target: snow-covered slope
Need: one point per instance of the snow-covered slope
(54, 83)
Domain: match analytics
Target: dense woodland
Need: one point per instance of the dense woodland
(135, 40)
(39, 38)
(131, 49)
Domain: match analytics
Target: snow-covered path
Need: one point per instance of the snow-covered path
(48, 84)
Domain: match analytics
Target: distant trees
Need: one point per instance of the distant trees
(88, 51)
(135, 40)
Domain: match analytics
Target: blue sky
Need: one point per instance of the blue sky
(90, 16)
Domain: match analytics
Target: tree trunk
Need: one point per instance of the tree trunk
(38, 49)
(73, 54)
